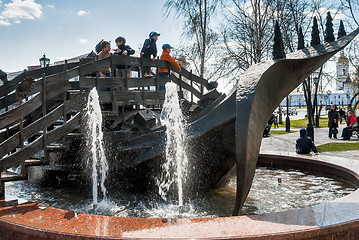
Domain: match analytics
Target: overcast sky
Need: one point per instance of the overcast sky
(68, 28)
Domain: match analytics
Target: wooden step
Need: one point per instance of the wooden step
(10, 177)
(75, 135)
(33, 162)
(56, 148)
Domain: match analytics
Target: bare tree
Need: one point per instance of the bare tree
(197, 16)
(249, 32)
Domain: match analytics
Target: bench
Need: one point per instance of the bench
(354, 130)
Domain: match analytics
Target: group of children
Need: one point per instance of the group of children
(149, 51)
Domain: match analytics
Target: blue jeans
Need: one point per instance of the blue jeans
(162, 75)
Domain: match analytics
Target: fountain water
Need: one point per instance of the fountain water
(97, 158)
(175, 165)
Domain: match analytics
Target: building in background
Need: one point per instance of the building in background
(341, 94)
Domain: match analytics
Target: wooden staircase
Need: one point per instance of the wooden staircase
(53, 106)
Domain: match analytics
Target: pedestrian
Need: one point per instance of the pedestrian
(164, 72)
(333, 121)
(269, 126)
(353, 122)
(149, 50)
(304, 143)
(123, 50)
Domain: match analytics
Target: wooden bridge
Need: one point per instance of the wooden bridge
(43, 106)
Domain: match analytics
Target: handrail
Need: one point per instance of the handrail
(10, 143)
(29, 150)
(10, 86)
(88, 68)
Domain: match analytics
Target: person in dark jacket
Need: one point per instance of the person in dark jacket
(333, 122)
(269, 126)
(149, 49)
(304, 143)
(341, 114)
(123, 50)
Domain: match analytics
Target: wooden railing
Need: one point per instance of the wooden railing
(21, 139)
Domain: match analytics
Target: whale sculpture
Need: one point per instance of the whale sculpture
(259, 91)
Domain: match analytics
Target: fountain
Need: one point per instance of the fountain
(176, 161)
(230, 129)
(97, 158)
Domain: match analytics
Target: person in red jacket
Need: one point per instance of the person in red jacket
(352, 122)
(164, 72)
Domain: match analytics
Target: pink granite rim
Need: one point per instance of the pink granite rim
(340, 216)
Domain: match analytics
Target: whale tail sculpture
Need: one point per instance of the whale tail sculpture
(259, 91)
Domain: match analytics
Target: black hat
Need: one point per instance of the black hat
(154, 34)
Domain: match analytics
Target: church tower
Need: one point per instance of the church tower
(342, 72)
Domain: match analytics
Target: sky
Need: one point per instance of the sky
(68, 28)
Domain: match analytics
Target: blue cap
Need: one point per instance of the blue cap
(154, 34)
(165, 46)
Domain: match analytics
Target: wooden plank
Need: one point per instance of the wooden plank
(54, 89)
(132, 61)
(13, 115)
(35, 127)
(90, 82)
(35, 146)
(10, 177)
(133, 96)
(13, 99)
(186, 86)
(10, 86)
(185, 73)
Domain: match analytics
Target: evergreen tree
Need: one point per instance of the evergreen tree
(315, 33)
(329, 32)
(300, 39)
(278, 47)
(341, 31)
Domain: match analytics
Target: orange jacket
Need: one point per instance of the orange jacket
(166, 56)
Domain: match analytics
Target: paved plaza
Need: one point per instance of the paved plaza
(286, 142)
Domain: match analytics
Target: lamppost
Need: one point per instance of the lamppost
(44, 61)
(316, 82)
(287, 120)
(329, 92)
(310, 129)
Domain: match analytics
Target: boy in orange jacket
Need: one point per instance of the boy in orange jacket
(164, 72)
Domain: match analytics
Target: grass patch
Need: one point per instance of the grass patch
(335, 147)
(280, 132)
(302, 123)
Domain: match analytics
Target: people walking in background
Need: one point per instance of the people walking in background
(164, 72)
(149, 49)
(304, 143)
(269, 125)
(124, 50)
(105, 53)
(333, 122)
(353, 122)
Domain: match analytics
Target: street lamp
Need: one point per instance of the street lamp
(329, 92)
(44, 61)
(310, 129)
(316, 82)
(287, 120)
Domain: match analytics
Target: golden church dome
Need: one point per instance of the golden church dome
(343, 59)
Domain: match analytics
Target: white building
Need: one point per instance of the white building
(341, 95)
